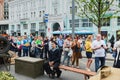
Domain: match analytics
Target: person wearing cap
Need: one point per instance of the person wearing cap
(54, 61)
(99, 47)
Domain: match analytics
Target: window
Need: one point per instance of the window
(71, 9)
(34, 14)
(118, 21)
(43, 12)
(33, 26)
(12, 27)
(119, 3)
(41, 25)
(25, 26)
(31, 14)
(18, 27)
(87, 23)
(76, 23)
(40, 14)
(106, 22)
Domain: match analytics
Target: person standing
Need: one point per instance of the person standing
(88, 49)
(66, 49)
(99, 47)
(39, 47)
(117, 54)
(46, 47)
(19, 45)
(60, 43)
(76, 52)
(25, 46)
(54, 61)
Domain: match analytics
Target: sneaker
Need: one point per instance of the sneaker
(59, 74)
(77, 67)
(51, 76)
(88, 69)
(72, 66)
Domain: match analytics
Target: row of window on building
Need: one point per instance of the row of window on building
(88, 22)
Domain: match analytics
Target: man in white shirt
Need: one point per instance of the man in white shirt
(117, 54)
(99, 47)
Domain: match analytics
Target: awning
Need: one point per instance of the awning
(67, 32)
(76, 32)
(84, 32)
(56, 32)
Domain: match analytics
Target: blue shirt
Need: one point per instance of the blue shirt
(60, 42)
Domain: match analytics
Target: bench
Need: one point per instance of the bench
(84, 72)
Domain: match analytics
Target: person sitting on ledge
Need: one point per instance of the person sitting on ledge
(54, 61)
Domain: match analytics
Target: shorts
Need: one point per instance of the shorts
(89, 54)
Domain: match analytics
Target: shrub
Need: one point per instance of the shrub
(6, 76)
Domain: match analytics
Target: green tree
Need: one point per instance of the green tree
(96, 10)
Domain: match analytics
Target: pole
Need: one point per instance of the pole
(73, 19)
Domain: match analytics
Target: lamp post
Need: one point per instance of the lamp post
(73, 18)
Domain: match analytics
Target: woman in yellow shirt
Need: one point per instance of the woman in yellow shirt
(88, 50)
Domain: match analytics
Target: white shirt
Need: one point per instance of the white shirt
(101, 51)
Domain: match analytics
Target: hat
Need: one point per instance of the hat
(107, 73)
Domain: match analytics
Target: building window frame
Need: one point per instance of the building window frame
(118, 20)
(106, 23)
(76, 23)
(86, 22)
(25, 26)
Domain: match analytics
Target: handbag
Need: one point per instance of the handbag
(70, 53)
(66, 49)
(117, 61)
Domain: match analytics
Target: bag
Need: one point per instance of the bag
(117, 61)
(66, 49)
(70, 53)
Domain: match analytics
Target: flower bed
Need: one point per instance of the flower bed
(6, 76)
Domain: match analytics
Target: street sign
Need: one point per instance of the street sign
(46, 18)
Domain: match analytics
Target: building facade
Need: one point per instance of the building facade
(42, 17)
(1, 9)
(35, 16)
(4, 16)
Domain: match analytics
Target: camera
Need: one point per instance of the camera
(101, 45)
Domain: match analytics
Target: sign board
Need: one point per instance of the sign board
(45, 18)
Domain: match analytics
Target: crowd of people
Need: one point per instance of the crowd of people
(51, 49)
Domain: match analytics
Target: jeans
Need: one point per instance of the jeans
(25, 52)
(66, 57)
(97, 62)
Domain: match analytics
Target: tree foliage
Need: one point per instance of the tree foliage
(96, 10)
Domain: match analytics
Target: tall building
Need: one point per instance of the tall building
(35, 16)
(43, 17)
(4, 16)
(1, 9)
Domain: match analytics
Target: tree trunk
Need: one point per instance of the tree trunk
(99, 17)
(99, 30)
